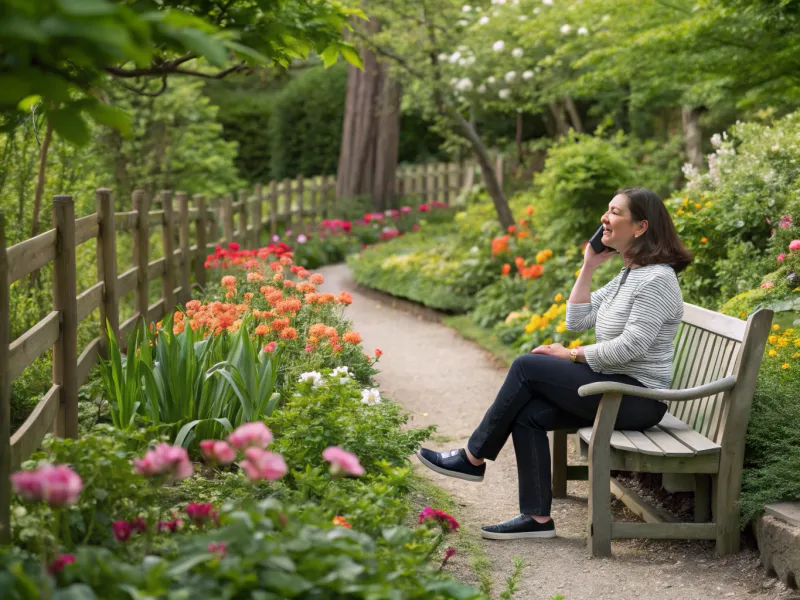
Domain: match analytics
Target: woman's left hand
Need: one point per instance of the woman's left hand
(553, 350)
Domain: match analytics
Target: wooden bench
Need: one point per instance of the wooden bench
(715, 370)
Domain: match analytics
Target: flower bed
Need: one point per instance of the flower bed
(249, 453)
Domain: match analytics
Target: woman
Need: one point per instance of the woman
(635, 317)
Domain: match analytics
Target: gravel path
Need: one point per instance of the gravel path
(445, 380)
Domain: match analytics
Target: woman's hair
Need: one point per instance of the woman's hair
(660, 244)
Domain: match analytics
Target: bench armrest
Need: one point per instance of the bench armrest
(701, 391)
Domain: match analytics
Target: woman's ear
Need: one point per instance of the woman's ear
(641, 228)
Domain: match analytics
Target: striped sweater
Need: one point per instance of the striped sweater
(635, 324)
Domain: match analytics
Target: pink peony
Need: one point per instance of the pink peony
(342, 462)
(250, 435)
(165, 460)
(56, 485)
(122, 530)
(217, 451)
(261, 464)
(60, 562)
(781, 257)
(785, 222)
(199, 513)
(270, 348)
(794, 245)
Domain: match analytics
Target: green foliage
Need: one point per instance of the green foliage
(272, 550)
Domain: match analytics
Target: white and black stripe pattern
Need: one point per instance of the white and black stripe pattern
(635, 323)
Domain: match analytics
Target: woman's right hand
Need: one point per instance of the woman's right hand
(592, 260)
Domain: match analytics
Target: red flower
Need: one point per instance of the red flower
(60, 562)
(234, 246)
(122, 530)
(201, 512)
(442, 517)
(378, 353)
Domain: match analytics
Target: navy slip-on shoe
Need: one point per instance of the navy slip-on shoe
(521, 526)
(453, 463)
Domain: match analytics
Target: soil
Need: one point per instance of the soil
(445, 380)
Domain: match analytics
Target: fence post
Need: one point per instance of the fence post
(324, 197)
(183, 234)
(141, 253)
(227, 219)
(107, 266)
(243, 210)
(65, 350)
(273, 208)
(5, 393)
(313, 191)
(425, 187)
(168, 244)
(446, 183)
(201, 227)
(287, 203)
(256, 213)
(301, 222)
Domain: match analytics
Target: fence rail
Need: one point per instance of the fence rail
(187, 235)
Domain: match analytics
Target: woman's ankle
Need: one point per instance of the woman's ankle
(475, 461)
(540, 519)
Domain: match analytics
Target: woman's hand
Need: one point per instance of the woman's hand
(552, 350)
(592, 260)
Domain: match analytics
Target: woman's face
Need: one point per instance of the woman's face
(620, 230)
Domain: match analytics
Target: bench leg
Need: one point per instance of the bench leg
(558, 457)
(599, 537)
(702, 498)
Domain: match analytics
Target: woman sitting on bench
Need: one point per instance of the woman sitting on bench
(635, 317)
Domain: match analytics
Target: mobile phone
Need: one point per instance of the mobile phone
(596, 241)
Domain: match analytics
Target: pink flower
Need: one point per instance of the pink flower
(56, 485)
(250, 435)
(781, 257)
(309, 348)
(342, 462)
(218, 451)
(218, 549)
(270, 348)
(442, 517)
(199, 513)
(170, 526)
(449, 553)
(405, 209)
(60, 562)
(165, 460)
(785, 222)
(767, 284)
(794, 245)
(139, 525)
(122, 530)
(261, 464)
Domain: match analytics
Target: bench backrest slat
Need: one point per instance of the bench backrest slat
(706, 347)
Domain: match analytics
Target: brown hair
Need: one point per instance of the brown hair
(660, 244)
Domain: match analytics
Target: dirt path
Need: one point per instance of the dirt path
(445, 380)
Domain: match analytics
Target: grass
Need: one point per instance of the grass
(467, 542)
(513, 579)
(464, 325)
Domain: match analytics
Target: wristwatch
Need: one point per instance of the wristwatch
(573, 354)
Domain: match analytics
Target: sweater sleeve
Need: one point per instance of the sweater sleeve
(581, 317)
(656, 301)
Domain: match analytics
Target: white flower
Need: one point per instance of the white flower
(547, 2)
(454, 57)
(442, 57)
(481, 88)
(517, 53)
(466, 8)
(536, 10)
(498, 46)
(504, 94)
(491, 80)
(605, 18)
(498, 2)
(371, 397)
(527, 75)
(470, 60)
(462, 23)
(565, 29)
(510, 76)
(716, 140)
(583, 31)
(474, 250)
(775, 148)
(462, 62)
(343, 373)
(301, 239)
(523, 18)
(464, 85)
(483, 20)
(312, 376)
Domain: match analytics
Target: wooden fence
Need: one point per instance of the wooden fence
(187, 235)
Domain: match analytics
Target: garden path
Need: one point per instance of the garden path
(446, 380)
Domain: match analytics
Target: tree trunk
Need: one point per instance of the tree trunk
(370, 132)
(559, 117)
(493, 187)
(574, 115)
(37, 199)
(693, 136)
(520, 157)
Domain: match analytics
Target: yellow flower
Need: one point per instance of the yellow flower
(685, 202)
(796, 354)
(547, 341)
(561, 327)
(558, 298)
(772, 339)
(775, 327)
(708, 204)
(529, 328)
(785, 366)
(789, 331)
(797, 342)
(679, 211)
(698, 206)
(578, 272)
(703, 240)
(574, 343)
(773, 353)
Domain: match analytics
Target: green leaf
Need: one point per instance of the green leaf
(28, 103)
(204, 45)
(87, 8)
(330, 55)
(69, 124)
(247, 52)
(351, 55)
(13, 88)
(77, 591)
(108, 115)
(186, 563)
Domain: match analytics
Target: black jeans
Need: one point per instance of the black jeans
(540, 394)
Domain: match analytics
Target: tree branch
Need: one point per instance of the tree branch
(141, 90)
